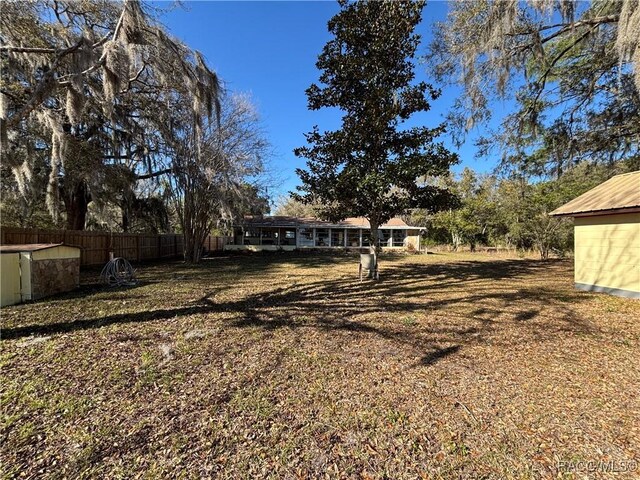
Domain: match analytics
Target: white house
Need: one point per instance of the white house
(290, 233)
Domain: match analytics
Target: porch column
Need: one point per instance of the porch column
(360, 230)
(329, 237)
(260, 236)
(346, 244)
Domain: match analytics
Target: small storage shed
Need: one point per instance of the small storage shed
(37, 270)
(607, 236)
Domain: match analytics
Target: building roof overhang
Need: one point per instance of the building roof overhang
(296, 222)
(30, 247)
(619, 194)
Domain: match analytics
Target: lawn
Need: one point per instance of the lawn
(286, 366)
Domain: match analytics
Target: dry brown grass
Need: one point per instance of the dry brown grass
(284, 366)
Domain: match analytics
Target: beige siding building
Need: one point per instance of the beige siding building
(607, 236)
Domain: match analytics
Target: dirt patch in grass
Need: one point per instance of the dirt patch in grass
(285, 366)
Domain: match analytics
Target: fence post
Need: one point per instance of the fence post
(138, 248)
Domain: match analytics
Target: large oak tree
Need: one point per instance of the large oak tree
(89, 84)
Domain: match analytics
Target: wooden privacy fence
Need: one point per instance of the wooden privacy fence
(215, 244)
(96, 246)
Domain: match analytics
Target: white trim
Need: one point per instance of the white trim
(619, 292)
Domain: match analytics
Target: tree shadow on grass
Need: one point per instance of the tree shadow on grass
(307, 258)
(95, 288)
(439, 353)
(468, 297)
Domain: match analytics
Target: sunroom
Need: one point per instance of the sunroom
(289, 233)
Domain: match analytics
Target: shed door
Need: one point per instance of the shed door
(10, 279)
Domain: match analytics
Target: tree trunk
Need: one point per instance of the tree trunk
(194, 234)
(76, 204)
(455, 239)
(192, 249)
(373, 244)
(544, 252)
(126, 208)
(543, 248)
(125, 219)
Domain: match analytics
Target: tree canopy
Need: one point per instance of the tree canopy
(211, 173)
(289, 206)
(572, 68)
(87, 88)
(112, 123)
(370, 167)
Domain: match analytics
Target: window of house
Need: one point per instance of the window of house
(366, 238)
(399, 237)
(252, 236)
(288, 238)
(269, 236)
(322, 237)
(337, 237)
(306, 237)
(383, 238)
(353, 237)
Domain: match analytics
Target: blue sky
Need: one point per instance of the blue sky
(269, 49)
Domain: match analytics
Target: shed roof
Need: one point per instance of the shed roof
(619, 193)
(351, 222)
(29, 247)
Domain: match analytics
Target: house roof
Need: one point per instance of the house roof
(28, 247)
(351, 222)
(619, 193)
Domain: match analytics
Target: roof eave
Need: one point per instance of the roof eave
(326, 225)
(593, 213)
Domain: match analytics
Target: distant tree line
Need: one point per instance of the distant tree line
(511, 211)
